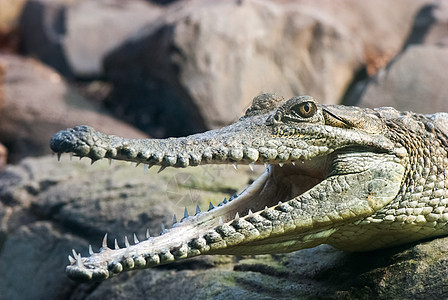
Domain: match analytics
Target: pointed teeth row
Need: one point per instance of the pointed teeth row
(180, 162)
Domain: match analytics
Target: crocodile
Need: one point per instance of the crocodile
(355, 178)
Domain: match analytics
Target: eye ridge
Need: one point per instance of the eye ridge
(305, 109)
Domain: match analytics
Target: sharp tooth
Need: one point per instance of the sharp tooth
(59, 156)
(224, 201)
(110, 161)
(71, 260)
(145, 168)
(127, 253)
(210, 206)
(251, 166)
(235, 166)
(266, 207)
(220, 221)
(281, 164)
(174, 219)
(161, 169)
(250, 213)
(186, 213)
(79, 261)
(279, 203)
(132, 163)
(71, 156)
(163, 228)
(237, 216)
(136, 241)
(104, 245)
(90, 250)
(137, 164)
(74, 253)
(198, 209)
(147, 234)
(116, 245)
(293, 163)
(126, 242)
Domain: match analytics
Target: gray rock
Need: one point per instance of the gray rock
(47, 208)
(37, 102)
(414, 78)
(200, 64)
(416, 81)
(32, 259)
(74, 36)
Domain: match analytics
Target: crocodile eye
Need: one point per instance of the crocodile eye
(305, 109)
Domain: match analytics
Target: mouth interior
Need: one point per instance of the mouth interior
(277, 183)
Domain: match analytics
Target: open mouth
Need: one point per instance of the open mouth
(279, 183)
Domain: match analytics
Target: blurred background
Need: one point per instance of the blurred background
(149, 68)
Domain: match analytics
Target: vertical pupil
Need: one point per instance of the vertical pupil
(306, 107)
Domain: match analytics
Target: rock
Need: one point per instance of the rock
(430, 26)
(195, 65)
(3, 157)
(9, 30)
(47, 208)
(416, 80)
(34, 252)
(37, 103)
(9, 14)
(74, 36)
(201, 63)
(400, 82)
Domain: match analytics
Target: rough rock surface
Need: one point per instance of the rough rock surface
(47, 208)
(37, 103)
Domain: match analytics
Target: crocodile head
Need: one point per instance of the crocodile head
(328, 170)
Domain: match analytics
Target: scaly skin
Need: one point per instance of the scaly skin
(357, 179)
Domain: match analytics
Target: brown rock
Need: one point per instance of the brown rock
(37, 103)
(3, 157)
(9, 14)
